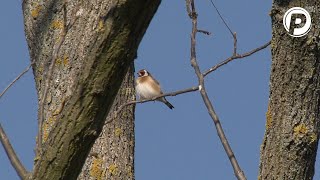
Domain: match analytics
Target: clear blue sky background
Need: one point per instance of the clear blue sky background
(179, 144)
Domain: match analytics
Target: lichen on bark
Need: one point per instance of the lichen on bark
(290, 144)
(92, 62)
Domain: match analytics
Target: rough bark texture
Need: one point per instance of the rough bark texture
(112, 155)
(93, 60)
(292, 127)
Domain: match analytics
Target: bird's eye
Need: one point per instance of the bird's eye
(142, 73)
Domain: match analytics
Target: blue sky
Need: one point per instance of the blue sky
(179, 144)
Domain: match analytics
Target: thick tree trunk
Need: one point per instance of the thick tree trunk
(293, 125)
(89, 69)
(112, 155)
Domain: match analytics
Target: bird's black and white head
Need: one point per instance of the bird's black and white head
(143, 73)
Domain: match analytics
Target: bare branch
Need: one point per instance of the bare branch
(195, 88)
(234, 34)
(238, 56)
(15, 80)
(235, 41)
(48, 78)
(20, 169)
(237, 170)
(224, 22)
(188, 8)
(14, 160)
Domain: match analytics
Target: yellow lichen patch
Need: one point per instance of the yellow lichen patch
(46, 127)
(57, 39)
(124, 114)
(129, 171)
(40, 69)
(51, 120)
(273, 44)
(118, 132)
(313, 137)
(39, 78)
(45, 132)
(301, 129)
(96, 169)
(57, 24)
(58, 61)
(35, 11)
(56, 112)
(100, 25)
(113, 169)
(65, 60)
(269, 118)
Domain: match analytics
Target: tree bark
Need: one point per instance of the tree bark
(112, 155)
(292, 131)
(90, 66)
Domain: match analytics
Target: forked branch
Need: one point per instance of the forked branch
(234, 57)
(193, 58)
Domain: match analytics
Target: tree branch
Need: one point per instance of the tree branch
(21, 171)
(15, 80)
(14, 160)
(195, 88)
(234, 34)
(238, 56)
(237, 170)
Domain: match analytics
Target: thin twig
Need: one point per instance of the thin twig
(195, 88)
(238, 56)
(234, 34)
(237, 170)
(221, 17)
(16, 79)
(16, 163)
(188, 8)
(235, 41)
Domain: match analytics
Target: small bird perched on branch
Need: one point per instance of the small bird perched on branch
(147, 87)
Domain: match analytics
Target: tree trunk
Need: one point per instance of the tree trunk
(112, 155)
(88, 71)
(293, 119)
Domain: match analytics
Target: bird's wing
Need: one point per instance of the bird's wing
(154, 80)
(155, 84)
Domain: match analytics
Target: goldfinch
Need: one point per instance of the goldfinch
(147, 87)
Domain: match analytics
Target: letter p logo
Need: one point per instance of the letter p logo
(297, 14)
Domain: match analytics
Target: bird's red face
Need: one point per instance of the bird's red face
(142, 73)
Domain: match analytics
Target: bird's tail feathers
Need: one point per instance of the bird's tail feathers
(164, 100)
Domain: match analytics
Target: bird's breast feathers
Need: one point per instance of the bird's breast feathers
(147, 88)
